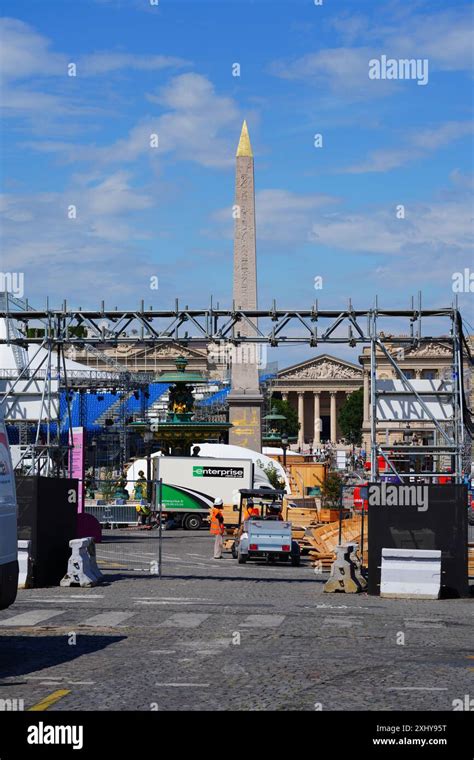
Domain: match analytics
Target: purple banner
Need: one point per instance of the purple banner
(78, 461)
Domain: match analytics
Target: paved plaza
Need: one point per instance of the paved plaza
(212, 634)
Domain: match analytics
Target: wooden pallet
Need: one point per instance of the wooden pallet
(323, 540)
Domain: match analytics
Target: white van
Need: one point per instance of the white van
(8, 523)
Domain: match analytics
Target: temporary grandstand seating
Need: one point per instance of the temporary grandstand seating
(101, 405)
(216, 398)
(134, 405)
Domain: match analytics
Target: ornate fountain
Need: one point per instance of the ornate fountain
(176, 434)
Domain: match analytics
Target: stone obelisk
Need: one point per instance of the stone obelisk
(245, 399)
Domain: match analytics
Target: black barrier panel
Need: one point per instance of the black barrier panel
(47, 517)
(435, 518)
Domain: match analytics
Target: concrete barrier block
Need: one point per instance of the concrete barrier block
(411, 573)
(25, 565)
(343, 578)
(82, 567)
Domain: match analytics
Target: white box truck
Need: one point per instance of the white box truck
(8, 523)
(190, 485)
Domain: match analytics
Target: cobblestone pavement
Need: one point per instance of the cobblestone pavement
(212, 634)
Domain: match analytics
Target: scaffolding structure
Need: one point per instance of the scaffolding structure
(65, 328)
(43, 450)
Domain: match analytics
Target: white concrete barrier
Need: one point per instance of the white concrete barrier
(25, 567)
(411, 573)
(82, 567)
(345, 577)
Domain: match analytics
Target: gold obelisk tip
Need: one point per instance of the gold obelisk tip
(244, 147)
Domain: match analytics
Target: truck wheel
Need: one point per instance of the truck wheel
(234, 551)
(192, 522)
(241, 558)
(296, 560)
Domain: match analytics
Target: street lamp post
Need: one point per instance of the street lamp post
(148, 437)
(284, 445)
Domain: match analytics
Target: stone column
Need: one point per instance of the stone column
(301, 418)
(317, 419)
(333, 416)
(417, 374)
(366, 397)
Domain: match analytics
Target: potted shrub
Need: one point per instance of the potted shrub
(331, 490)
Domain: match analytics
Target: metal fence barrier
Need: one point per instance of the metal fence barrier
(114, 514)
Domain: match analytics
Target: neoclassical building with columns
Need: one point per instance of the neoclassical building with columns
(317, 388)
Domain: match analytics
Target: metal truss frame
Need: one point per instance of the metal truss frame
(312, 327)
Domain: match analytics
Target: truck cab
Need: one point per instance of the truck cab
(8, 523)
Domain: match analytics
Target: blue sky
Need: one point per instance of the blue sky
(166, 211)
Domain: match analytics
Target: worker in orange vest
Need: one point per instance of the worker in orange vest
(217, 526)
(250, 510)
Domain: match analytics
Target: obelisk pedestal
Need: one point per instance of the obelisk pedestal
(245, 399)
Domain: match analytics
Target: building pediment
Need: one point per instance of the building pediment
(163, 351)
(427, 350)
(322, 368)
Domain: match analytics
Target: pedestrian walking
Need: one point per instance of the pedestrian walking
(217, 527)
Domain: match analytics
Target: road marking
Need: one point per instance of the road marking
(178, 604)
(30, 618)
(199, 685)
(175, 598)
(46, 703)
(185, 620)
(108, 619)
(206, 647)
(44, 678)
(331, 606)
(53, 681)
(262, 621)
(417, 688)
(424, 623)
(57, 599)
(162, 651)
(341, 622)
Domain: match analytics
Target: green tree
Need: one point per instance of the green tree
(272, 474)
(291, 425)
(331, 489)
(351, 416)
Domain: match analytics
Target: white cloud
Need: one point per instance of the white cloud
(199, 126)
(25, 53)
(107, 62)
(424, 247)
(95, 254)
(281, 216)
(445, 38)
(417, 145)
(26, 60)
(342, 69)
(436, 231)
